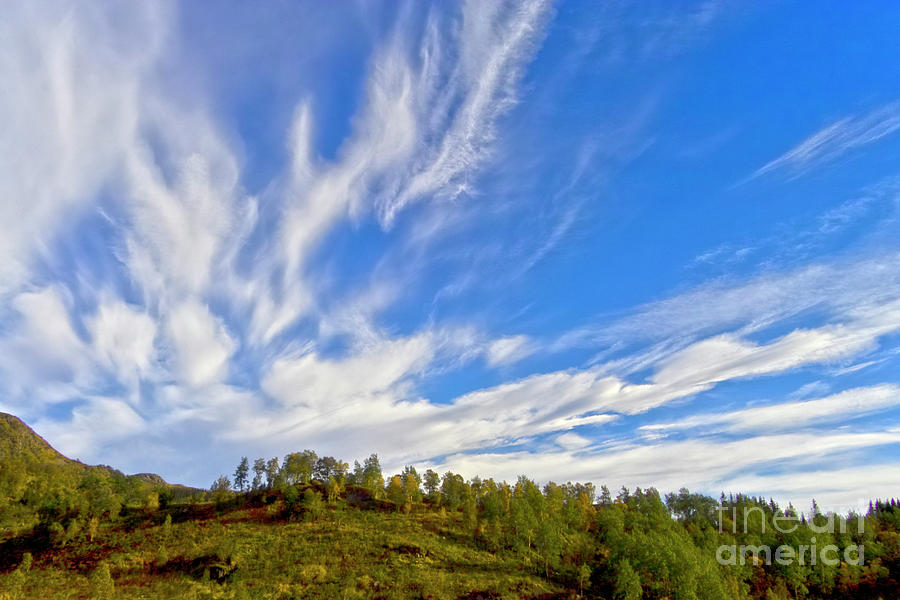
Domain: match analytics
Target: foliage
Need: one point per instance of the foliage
(242, 474)
(94, 533)
(102, 585)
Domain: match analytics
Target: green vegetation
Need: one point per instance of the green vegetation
(42, 489)
(315, 528)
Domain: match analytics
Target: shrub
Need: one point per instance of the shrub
(102, 584)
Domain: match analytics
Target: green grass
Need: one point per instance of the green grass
(347, 553)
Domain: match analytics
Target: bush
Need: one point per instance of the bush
(102, 584)
(19, 577)
(312, 504)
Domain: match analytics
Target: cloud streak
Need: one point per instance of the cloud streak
(835, 140)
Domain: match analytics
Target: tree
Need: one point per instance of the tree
(220, 489)
(454, 490)
(526, 506)
(151, 502)
(93, 527)
(549, 533)
(605, 496)
(368, 475)
(470, 514)
(411, 487)
(298, 466)
(312, 504)
(583, 576)
(333, 488)
(628, 583)
(99, 496)
(396, 494)
(259, 472)
(327, 467)
(18, 578)
(241, 474)
(432, 485)
(410, 470)
(222, 484)
(272, 472)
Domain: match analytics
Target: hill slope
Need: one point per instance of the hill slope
(18, 440)
(20, 443)
(37, 482)
(68, 530)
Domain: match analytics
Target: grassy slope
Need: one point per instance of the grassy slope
(347, 553)
(19, 440)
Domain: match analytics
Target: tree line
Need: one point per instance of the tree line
(626, 545)
(629, 545)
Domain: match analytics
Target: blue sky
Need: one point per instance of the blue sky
(639, 245)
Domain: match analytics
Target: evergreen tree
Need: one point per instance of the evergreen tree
(272, 471)
(241, 474)
(259, 473)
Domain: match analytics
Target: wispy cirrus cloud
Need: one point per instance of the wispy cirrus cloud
(72, 82)
(840, 407)
(835, 140)
(373, 288)
(183, 231)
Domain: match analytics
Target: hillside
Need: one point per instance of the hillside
(20, 444)
(20, 441)
(312, 527)
(37, 482)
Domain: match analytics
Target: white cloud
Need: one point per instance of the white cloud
(835, 140)
(426, 124)
(841, 407)
(123, 339)
(324, 398)
(314, 382)
(201, 344)
(726, 357)
(43, 358)
(827, 289)
(494, 42)
(508, 350)
(178, 232)
(93, 424)
(840, 490)
(572, 441)
(70, 105)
